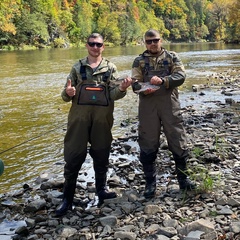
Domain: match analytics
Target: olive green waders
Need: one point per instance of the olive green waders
(157, 110)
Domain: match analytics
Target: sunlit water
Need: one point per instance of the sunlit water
(33, 116)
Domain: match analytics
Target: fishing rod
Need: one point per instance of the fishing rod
(30, 139)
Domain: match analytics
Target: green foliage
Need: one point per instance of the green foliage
(31, 29)
(206, 181)
(37, 22)
(59, 42)
(197, 152)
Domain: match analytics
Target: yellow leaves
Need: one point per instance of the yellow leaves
(234, 11)
(9, 27)
(234, 16)
(7, 11)
(96, 3)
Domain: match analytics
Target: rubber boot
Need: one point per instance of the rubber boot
(100, 163)
(150, 187)
(181, 169)
(149, 169)
(68, 194)
(102, 191)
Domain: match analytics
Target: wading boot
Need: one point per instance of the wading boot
(149, 169)
(150, 189)
(184, 182)
(102, 191)
(100, 163)
(104, 194)
(68, 194)
(63, 208)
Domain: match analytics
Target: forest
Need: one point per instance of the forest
(64, 23)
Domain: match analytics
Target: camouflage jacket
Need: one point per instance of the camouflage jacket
(106, 74)
(166, 65)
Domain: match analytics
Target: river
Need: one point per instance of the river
(33, 116)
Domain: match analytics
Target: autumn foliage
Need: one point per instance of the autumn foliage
(59, 23)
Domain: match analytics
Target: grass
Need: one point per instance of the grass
(206, 181)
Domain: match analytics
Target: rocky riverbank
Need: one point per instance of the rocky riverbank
(212, 212)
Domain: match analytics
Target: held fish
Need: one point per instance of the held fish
(143, 86)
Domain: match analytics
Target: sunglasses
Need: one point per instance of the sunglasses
(150, 41)
(92, 44)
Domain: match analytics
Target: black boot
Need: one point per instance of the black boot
(149, 169)
(181, 169)
(104, 194)
(68, 194)
(186, 184)
(101, 189)
(150, 188)
(63, 208)
(100, 163)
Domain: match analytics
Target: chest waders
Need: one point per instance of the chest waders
(100, 157)
(93, 101)
(148, 158)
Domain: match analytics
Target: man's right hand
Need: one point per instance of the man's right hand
(71, 91)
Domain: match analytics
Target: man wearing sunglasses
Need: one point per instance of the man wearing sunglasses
(92, 91)
(160, 108)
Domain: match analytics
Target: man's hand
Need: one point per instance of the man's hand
(71, 91)
(125, 84)
(149, 91)
(155, 80)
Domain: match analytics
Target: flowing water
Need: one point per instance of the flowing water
(33, 116)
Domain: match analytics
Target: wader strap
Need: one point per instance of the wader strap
(166, 66)
(83, 72)
(106, 77)
(146, 68)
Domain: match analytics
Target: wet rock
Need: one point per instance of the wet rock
(198, 87)
(36, 205)
(22, 231)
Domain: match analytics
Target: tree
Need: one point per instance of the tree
(107, 23)
(31, 29)
(173, 13)
(121, 22)
(218, 10)
(8, 11)
(233, 23)
(83, 18)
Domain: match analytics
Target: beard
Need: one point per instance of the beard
(155, 50)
